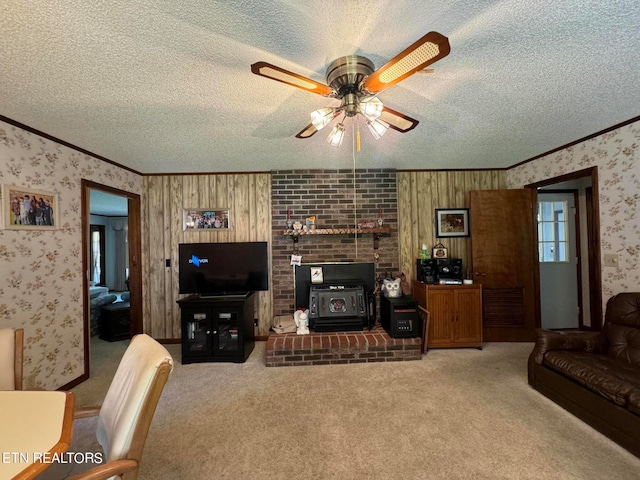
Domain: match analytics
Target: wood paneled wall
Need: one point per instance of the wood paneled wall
(420, 193)
(248, 196)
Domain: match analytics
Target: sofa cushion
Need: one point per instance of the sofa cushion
(634, 401)
(622, 327)
(103, 300)
(602, 374)
(624, 309)
(95, 292)
(624, 343)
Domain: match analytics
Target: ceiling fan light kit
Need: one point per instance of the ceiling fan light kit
(355, 82)
(322, 117)
(377, 128)
(371, 108)
(336, 136)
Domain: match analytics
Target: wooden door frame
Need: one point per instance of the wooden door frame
(594, 255)
(135, 257)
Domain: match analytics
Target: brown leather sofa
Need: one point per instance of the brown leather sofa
(596, 375)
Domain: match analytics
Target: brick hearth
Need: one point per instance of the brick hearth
(327, 348)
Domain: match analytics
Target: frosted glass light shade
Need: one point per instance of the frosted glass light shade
(377, 128)
(322, 117)
(336, 135)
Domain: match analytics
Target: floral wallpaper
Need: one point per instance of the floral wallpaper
(617, 155)
(41, 281)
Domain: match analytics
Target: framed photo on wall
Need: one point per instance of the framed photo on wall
(28, 209)
(206, 219)
(452, 222)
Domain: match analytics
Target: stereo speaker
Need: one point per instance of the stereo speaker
(434, 269)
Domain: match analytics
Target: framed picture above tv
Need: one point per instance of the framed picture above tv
(28, 209)
(206, 219)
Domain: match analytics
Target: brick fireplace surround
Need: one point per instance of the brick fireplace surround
(329, 194)
(290, 349)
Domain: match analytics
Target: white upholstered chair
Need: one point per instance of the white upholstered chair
(11, 351)
(125, 415)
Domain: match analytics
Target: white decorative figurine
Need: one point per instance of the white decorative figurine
(302, 321)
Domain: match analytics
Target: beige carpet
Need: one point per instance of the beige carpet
(456, 414)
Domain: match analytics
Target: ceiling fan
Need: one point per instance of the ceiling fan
(354, 81)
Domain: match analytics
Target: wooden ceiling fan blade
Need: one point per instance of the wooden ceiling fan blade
(429, 49)
(398, 121)
(267, 70)
(307, 131)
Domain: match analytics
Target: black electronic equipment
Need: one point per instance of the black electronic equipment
(435, 269)
(426, 271)
(213, 269)
(399, 316)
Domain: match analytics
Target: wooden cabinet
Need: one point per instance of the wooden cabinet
(455, 313)
(217, 329)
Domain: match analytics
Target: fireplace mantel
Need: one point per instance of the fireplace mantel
(376, 232)
(337, 231)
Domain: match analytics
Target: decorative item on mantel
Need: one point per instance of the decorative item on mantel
(380, 221)
(365, 225)
(289, 221)
(311, 222)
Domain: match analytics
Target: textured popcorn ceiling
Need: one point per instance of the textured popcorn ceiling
(166, 86)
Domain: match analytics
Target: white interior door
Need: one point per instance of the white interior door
(559, 305)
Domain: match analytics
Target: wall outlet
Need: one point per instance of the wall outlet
(610, 260)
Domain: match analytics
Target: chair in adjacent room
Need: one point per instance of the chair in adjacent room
(11, 358)
(125, 415)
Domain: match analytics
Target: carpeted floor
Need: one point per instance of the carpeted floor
(456, 414)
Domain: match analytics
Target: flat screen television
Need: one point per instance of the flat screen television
(214, 269)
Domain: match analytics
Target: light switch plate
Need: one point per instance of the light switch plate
(610, 260)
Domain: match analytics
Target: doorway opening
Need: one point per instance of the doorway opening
(121, 276)
(570, 290)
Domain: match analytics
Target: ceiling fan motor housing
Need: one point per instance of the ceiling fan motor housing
(344, 76)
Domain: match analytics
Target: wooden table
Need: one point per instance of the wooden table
(34, 426)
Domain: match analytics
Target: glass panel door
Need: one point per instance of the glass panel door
(197, 338)
(228, 334)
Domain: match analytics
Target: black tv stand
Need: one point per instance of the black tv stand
(217, 328)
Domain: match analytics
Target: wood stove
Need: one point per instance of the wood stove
(341, 302)
(343, 307)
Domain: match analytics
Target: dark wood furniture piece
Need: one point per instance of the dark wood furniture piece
(455, 313)
(217, 329)
(115, 322)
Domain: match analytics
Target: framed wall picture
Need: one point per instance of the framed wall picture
(28, 209)
(452, 222)
(206, 219)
